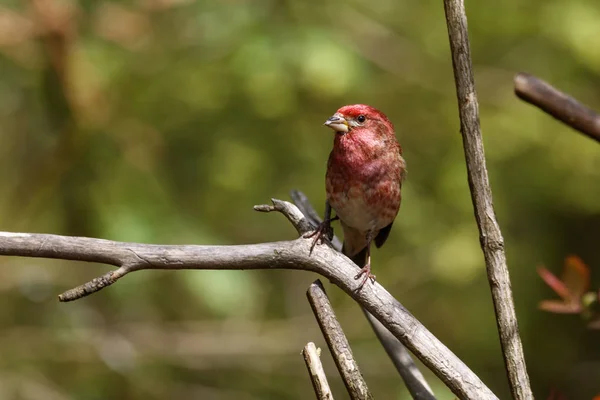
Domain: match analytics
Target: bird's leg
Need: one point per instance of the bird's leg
(324, 228)
(366, 270)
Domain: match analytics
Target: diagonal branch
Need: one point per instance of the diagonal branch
(490, 235)
(558, 104)
(316, 372)
(337, 342)
(413, 379)
(293, 254)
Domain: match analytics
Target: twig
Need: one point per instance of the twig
(412, 377)
(490, 235)
(316, 372)
(558, 104)
(292, 254)
(337, 342)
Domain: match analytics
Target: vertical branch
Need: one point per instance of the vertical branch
(312, 358)
(337, 342)
(491, 239)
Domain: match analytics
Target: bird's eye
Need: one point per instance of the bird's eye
(361, 118)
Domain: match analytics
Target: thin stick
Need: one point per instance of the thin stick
(490, 235)
(413, 379)
(337, 342)
(558, 104)
(316, 372)
(293, 254)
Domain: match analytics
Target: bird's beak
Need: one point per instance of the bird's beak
(338, 123)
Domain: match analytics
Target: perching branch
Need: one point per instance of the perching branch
(337, 342)
(316, 372)
(413, 379)
(558, 104)
(292, 254)
(490, 235)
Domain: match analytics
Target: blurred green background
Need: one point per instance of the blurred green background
(165, 121)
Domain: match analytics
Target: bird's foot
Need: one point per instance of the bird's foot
(322, 231)
(366, 271)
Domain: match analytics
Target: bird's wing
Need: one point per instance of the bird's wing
(383, 235)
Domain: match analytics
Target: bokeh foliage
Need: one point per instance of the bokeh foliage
(164, 121)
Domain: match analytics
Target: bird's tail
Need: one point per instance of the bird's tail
(355, 245)
(359, 258)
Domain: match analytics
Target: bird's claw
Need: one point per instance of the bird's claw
(366, 271)
(323, 231)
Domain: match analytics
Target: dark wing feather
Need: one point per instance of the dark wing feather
(360, 258)
(383, 235)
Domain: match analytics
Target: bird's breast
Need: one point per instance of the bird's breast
(365, 195)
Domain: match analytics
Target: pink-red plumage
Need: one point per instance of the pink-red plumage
(364, 178)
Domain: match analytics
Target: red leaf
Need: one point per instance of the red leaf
(571, 288)
(576, 276)
(559, 307)
(555, 284)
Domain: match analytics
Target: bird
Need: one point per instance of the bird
(365, 171)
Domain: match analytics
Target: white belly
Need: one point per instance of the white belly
(354, 211)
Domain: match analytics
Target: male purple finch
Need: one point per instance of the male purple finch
(364, 177)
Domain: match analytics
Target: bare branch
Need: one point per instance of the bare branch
(291, 212)
(490, 235)
(312, 358)
(292, 254)
(558, 104)
(337, 342)
(412, 377)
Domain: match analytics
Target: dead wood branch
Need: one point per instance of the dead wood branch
(337, 342)
(490, 235)
(293, 254)
(312, 358)
(413, 379)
